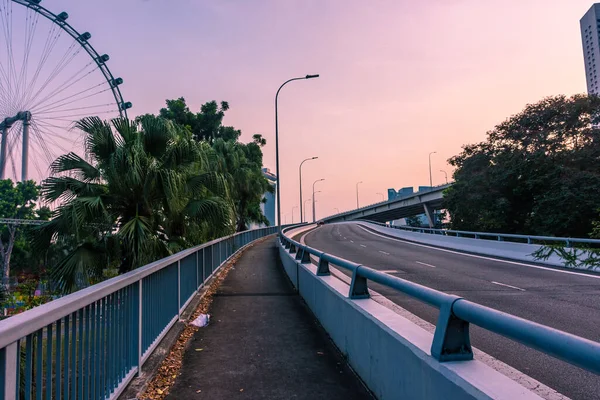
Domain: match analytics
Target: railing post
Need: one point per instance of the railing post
(323, 268)
(8, 372)
(140, 328)
(358, 286)
(451, 340)
(179, 288)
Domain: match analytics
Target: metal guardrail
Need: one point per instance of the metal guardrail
(91, 343)
(451, 341)
(530, 239)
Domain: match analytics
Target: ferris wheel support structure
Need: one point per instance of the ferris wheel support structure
(25, 116)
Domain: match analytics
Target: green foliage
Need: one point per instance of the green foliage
(18, 202)
(240, 164)
(149, 190)
(537, 173)
(572, 257)
(207, 125)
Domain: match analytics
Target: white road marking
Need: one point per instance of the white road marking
(425, 264)
(389, 271)
(510, 286)
(383, 252)
(482, 257)
(362, 245)
(345, 237)
(352, 241)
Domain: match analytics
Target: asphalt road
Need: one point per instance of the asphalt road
(563, 301)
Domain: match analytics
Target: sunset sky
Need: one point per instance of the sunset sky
(399, 78)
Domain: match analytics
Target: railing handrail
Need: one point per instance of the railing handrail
(30, 321)
(567, 240)
(451, 339)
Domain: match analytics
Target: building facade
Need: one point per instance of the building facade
(590, 40)
(268, 207)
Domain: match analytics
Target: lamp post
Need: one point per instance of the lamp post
(314, 204)
(357, 183)
(293, 213)
(381, 194)
(300, 170)
(306, 201)
(430, 178)
(277, 146)
(313, 196)
(337, 210)
(445, 174)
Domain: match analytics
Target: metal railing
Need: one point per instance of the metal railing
(530, 239)
(451, 339)
(91, 343)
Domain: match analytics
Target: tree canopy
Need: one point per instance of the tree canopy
(537, 173)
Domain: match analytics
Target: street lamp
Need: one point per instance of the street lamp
(318, 180)
(337, 210)
(382, 197)
(277, 146)
(430, 179)
(293, 213)
(306, 201)
(445, 174)
(357, 194)
(300, 169)
(314, 204)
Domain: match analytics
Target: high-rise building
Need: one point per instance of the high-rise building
(590, 38)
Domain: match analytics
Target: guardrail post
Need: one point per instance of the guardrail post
(140, 328)
(292, 248)
(568, 243)
(179, 288)
(323, 268)
(8, 372)
(299, 253)
(305, 256)
(451, 340)
(358, 286)
(500, 238)
(528, 240)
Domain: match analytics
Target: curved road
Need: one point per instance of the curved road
(569, 302)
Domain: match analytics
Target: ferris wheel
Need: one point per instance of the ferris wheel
(50, 77)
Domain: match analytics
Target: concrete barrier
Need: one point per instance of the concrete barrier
(388, 352)
(508, 250)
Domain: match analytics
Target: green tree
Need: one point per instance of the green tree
(148, 191)
(240, 163)
(16, 202)
(537, 173)
(207, 125)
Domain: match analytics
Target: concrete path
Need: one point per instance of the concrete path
(262, 342)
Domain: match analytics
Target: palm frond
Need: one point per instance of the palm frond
(71, 162)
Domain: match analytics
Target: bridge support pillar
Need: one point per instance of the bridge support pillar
(429, 212)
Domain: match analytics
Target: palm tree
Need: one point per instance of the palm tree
(242, 163)
(144, 190)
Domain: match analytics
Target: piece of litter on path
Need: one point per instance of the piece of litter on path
(199, 349)
(201, 321)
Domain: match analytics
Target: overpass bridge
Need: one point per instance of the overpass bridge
(406, 324)
(426, 202)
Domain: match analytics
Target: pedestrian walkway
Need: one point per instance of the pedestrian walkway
(262, 342)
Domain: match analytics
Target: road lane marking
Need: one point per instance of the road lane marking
(510, 286)
(425, 264)
(389, 271)
(383, 252)
(362, 245)
(352, 241)
(480, 257)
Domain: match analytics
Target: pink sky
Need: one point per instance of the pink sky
(398, 78)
